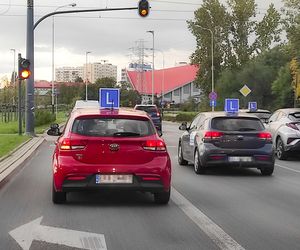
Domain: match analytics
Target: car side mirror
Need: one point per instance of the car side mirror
(54, 130)
(183, 126)
(159, 133)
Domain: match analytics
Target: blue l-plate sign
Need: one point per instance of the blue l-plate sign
(231, 105)
(109, 98)
(252, 106)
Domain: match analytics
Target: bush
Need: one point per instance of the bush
(43, 117)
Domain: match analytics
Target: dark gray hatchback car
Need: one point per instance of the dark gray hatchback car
(217, 138)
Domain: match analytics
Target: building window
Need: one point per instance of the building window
(168, 96)
(195, 89)
(186, 89)
(176, 92)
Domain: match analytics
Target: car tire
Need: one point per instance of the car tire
(267, 171)
(58, 197)
(280, 152)
(198, 167)
(181, 160)
(162, 197)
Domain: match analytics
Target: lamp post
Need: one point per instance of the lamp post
(52, 95)
(86, 76)
(14, 73)
(163, 78)
(212, 61)
(152, 32)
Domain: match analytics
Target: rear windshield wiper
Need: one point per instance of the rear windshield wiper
(126, 134)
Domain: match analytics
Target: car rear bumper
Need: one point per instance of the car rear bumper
(256, 158)
(67, 167)
(90, 184)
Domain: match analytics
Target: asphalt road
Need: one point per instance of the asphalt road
(238, 206)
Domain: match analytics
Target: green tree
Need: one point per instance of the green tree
(282, 88)
(78, 79)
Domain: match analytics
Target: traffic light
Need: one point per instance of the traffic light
(143, 8)
(24, 68)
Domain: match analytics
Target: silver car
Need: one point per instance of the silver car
(284, 125)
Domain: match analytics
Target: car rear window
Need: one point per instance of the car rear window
(112, 127)
(295, 116)
(236, 124)
(148, 109)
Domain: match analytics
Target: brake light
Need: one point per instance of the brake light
(68, 144)
(213, 134)
(158, 114)
(292, 125)
(154, 145)
(265, 136)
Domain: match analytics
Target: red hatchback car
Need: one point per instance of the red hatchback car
(110, 149)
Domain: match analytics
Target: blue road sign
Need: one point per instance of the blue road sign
(231, 105)
(109, 98)
(213, 103)
(252, 106)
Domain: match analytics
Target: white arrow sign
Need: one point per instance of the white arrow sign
(33, 230)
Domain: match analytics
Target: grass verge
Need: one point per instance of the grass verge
(10, 142)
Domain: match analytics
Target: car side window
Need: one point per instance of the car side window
(273, 118)
(201, 122)
(194, 122)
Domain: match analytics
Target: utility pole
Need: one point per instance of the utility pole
(19, 99)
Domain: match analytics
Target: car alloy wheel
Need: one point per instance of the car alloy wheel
(181, 161)
(198, 168)
(281, 154)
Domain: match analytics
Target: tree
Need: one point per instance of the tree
(78, 79)
(282, 88)
(238, 37)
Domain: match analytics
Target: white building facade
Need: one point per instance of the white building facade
(68, 74)
(94, 71)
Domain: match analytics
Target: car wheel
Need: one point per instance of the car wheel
(198, 167)
(280, 152)
(181, 160)
(58, 197)
(162, 197)
(267, 171)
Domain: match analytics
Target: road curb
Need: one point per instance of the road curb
(18, 156)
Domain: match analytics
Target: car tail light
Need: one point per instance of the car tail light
(154, 145)
(158, 114)
(76, 178)
(265, 136)
(217, 157)
(68, 144)
(212, 135)
(150, 178)
(292, 125)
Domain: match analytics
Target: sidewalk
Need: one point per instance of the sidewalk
(13, 160)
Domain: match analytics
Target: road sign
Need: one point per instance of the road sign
(231, 105)
(212, 103)
(109, 98)
(252, 106)
(245, 90)
(213, 96)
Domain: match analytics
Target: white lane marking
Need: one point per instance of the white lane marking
(212, 230)
(297, 171)
(33, 230)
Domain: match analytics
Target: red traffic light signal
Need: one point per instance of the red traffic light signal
(24, 68)
(143, 8)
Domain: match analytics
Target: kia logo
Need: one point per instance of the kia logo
(114, 147)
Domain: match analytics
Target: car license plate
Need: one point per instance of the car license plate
(113, 178)
(239, 158)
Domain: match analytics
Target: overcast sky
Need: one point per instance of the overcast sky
(109, 36)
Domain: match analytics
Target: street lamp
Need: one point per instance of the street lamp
(14, 74)
(212, 61)
(86, 76)
(152, 32)
(163, 78)
(67, 5)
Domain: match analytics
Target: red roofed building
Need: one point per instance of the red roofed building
(174, 84)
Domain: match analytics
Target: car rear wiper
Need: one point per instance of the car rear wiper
(126, 134)
(247, 129)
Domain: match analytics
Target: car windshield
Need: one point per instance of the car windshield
(262, 115)
(148, 109)
(112, 127)
(236, 124)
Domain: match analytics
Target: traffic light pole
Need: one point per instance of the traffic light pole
(29, 98)
(19, 98)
